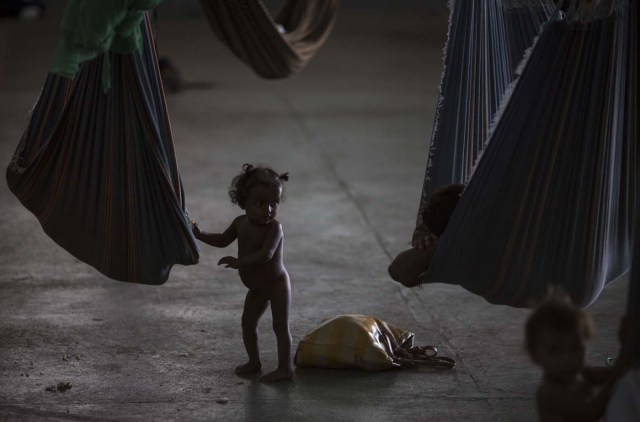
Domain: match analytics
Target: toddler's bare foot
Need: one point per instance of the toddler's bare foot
(248, 368)
(277, 375)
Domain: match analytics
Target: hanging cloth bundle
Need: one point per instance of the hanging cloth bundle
(99, 170)
(552, 199)
(273, 48)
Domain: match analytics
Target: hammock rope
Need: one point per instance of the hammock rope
(99, 170)
(273, 48)
(552, 200)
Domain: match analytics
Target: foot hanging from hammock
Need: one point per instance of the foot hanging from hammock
(409, 266)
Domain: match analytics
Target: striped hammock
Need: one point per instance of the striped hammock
(485, 44)
(552, 181)
(632, 342)
(99, 170)
(273, 48)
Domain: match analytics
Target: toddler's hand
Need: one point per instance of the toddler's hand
(229, 262)
(423, 239)
(195, 229)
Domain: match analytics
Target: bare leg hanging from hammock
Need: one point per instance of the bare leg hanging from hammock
(409, 266)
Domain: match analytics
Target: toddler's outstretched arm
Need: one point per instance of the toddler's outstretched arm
(219, 240)
(569, 408)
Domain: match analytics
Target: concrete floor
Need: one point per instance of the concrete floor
(352, 130)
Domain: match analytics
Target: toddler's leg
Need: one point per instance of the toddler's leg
(280, 303)
(254, 307)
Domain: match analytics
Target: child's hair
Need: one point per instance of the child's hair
(556, 314)
(440, 207)
(253, 176)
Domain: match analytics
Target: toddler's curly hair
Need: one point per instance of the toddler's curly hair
(253, 176)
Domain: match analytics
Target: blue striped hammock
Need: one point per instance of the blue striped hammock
(99, 170)
(548, 149)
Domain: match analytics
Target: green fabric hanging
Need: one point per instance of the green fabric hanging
(99, 169)
(90, 28)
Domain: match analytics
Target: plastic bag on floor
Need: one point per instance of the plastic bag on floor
(366, 342)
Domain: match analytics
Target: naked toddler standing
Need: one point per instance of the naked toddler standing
(258, 191)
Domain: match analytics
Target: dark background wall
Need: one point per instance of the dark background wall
(193, 7)
(382, 4)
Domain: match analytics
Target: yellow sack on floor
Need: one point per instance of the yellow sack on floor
(353, 341)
